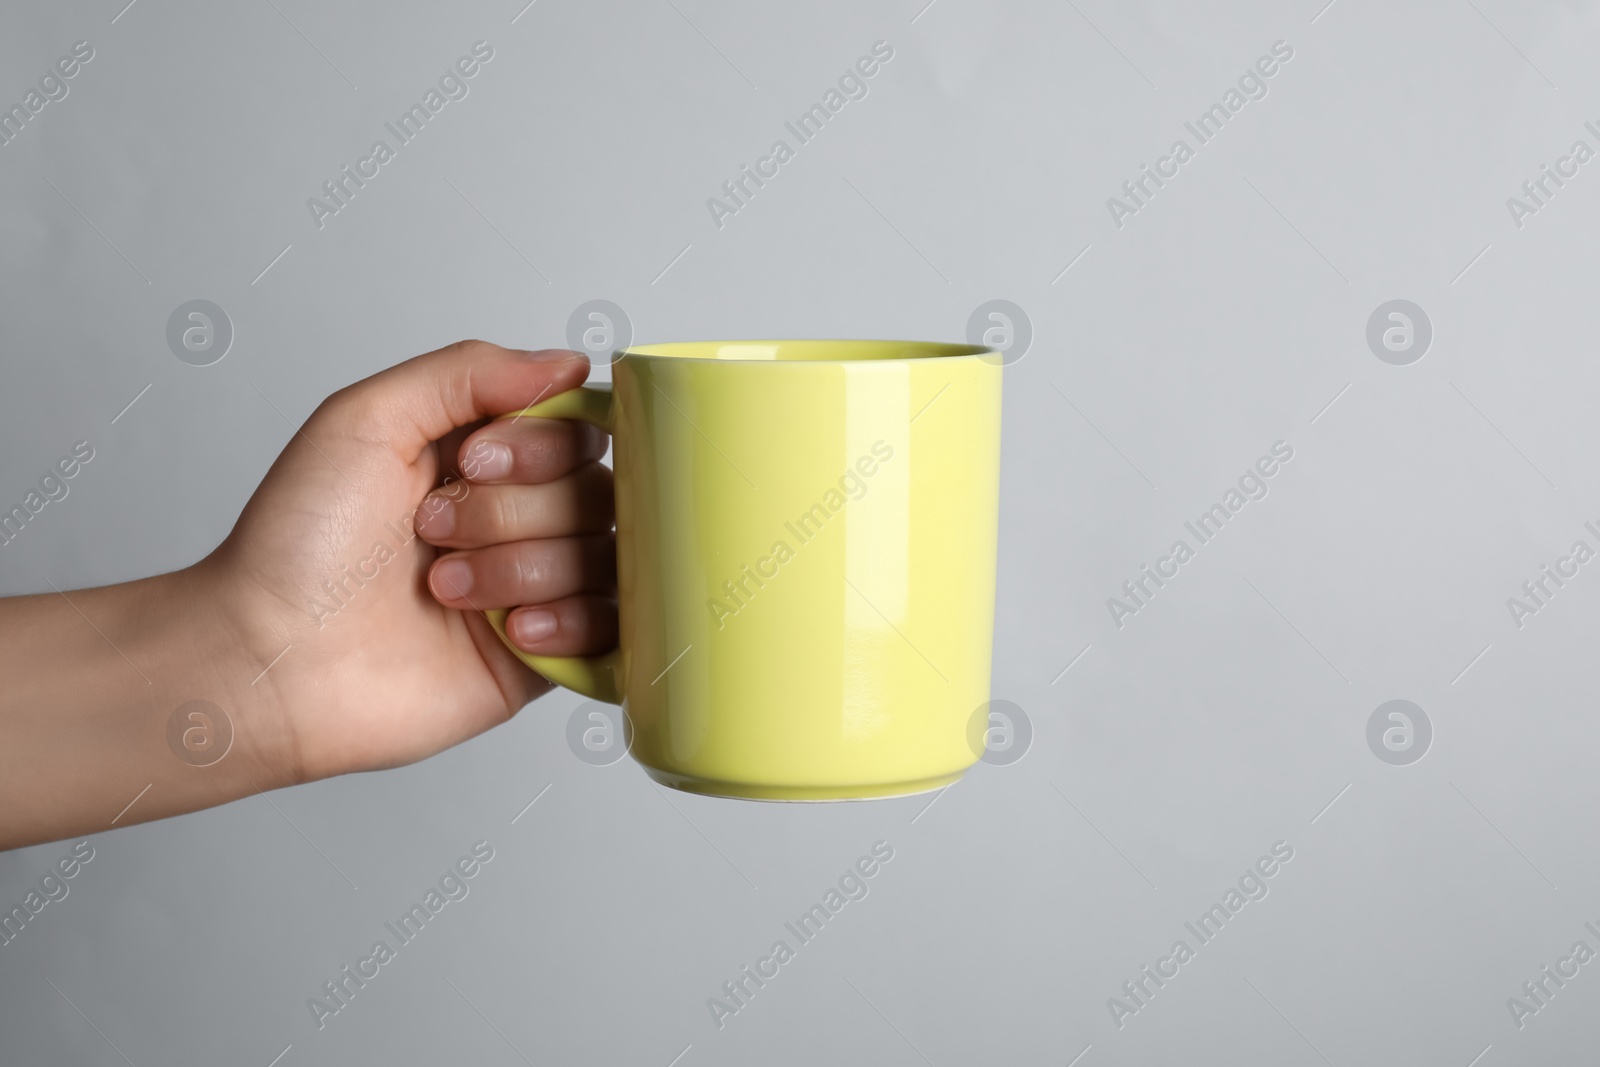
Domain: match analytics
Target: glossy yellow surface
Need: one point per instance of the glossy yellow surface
(806, 562)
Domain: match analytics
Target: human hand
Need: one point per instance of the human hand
(388, 658)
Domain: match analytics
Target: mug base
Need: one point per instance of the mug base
(801, 794)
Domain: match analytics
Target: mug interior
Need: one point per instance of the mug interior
(806, 351)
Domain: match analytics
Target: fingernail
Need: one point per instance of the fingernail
(531, 626)
(452, 580)
(487, 459)
(555, 355)
(437, 516)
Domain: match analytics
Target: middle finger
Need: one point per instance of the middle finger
(578, 503)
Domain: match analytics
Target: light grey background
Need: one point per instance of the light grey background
(1223, 317)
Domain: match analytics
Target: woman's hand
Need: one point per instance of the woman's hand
(389, 660)
(333, 636)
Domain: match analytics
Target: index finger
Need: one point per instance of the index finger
(530, 451)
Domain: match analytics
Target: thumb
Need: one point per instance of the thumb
(413, 404)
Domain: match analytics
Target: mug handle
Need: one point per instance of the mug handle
(596, 677)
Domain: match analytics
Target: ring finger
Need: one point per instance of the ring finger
(525, 572)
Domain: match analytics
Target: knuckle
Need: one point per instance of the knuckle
(570, 616)
(533, 568)
(548, 447)
(541, 449)
(502, 515)
(353, 412)
(341, 403)
(577, 620)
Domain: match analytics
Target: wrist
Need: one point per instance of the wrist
(228, 658)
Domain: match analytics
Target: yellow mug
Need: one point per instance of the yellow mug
(805, 563)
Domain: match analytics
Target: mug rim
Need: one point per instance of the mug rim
(931, 350)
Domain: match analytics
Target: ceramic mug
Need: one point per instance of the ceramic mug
(806, 539)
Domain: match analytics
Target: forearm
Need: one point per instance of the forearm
(92, 680)
(116, 704)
